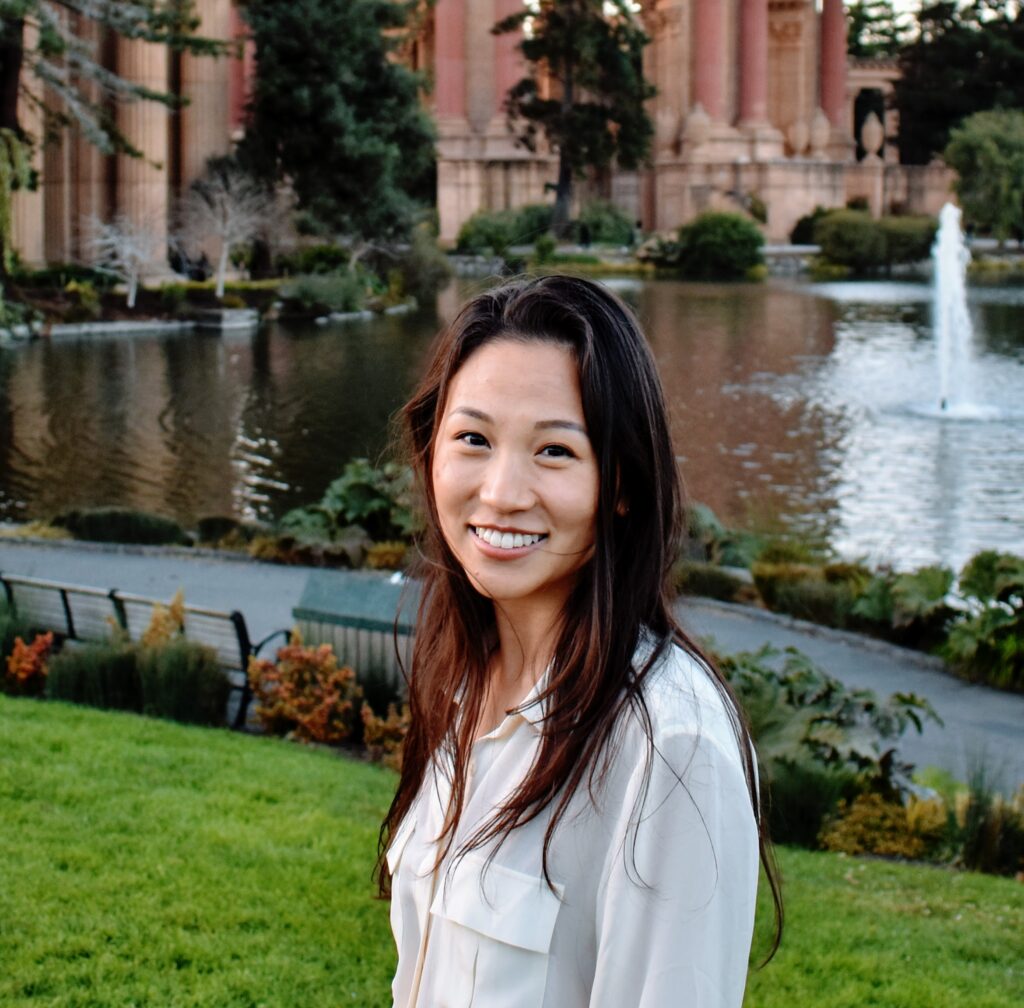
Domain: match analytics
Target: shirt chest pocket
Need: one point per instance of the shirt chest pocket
(497, 927)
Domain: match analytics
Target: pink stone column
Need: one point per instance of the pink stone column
(709, 61)
(833, 63)
(450, 59)
(508, 61)
(243, 72)
(753, 61)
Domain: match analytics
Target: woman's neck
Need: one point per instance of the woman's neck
(526, 640)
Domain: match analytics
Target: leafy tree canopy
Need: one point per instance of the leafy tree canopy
(987, 151)
(591, 50)
(965, 58)
(335, 116)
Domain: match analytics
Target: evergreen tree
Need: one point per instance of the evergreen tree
(591, 50)
(874, 29)
(336, 117)
(965, 58)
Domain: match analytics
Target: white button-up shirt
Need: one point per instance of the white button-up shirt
(654, 877)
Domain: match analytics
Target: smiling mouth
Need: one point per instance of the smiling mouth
(506, 540)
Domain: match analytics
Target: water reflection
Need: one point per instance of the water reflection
(790, 404)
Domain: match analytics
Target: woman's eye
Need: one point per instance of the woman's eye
(472, 439)
(557, 451)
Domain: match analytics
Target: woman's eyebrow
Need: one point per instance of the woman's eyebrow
(539, 425)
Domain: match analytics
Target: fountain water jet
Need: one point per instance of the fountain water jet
(952, 324)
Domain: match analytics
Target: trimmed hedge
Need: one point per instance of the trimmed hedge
(122, 525)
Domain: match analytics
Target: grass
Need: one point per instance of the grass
(148, 863)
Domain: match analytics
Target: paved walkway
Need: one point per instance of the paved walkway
(979, 722)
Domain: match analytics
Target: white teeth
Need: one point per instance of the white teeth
(506, 540)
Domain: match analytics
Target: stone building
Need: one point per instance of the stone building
(757, 104)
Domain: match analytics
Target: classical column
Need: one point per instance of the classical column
(509, 69)
(833, 63)
(142, 181)
(242, 73)
(710, 60)
(450, 59)
(753, 62)
(205, 122)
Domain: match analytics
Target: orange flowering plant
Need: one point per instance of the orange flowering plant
(305, 694)
(384, 737)
(26, 665)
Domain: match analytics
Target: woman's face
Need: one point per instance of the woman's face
(515, 479)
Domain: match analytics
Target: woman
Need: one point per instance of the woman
(576, 821)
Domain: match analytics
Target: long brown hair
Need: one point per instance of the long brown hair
(623, 590)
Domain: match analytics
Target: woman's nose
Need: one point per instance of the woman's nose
(506, 483)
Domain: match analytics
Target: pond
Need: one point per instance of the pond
(795, 406)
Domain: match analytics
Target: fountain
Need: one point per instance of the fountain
(952, 324)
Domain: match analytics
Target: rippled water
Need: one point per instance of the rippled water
(810, 407)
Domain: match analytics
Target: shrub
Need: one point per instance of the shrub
(322, 258)
(605, 223)
(12, 626)
(173, 297)
(851, 238)
(87, 308)
(122, 525)
(376, 498)
(305, 694)
(487, 233)
(424, 268)
(323, 293)
(384, 737)
(816, 600)
(25, 668)
(99, 675)
(803, 230)
(769, 577)
(693, 577)
(183, 681)
(986, 644)
(990, 828)
(530, 222)
(871, 824)
(387, 555)
(661, 250)
(214, 528)
(908, 239)
(719, 246)
(59, 275)
(544, 249)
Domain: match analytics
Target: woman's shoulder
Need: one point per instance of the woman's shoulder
(682, 695)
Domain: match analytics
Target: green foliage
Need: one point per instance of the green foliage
(605, 223)
(12, 627)
(57, 276)
(377, 498)
(323, 293)
(324, 257)
(544, 249)
(991, 829)
(337, 115)
(98, 675)
(719, 246)
(851, 238)
(908, 239)
(874, 29)
(817, 740)
(493, 232)
(423, 267)
(173, 297)
(692, 577)
(986, 643)
(183, 681)
(987, 152)
(714, 246)
(592, 51)
(122, 525)
(871, 824)
(965, 57)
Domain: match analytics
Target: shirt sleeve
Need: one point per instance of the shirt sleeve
(675, 907)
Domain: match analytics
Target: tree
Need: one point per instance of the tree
(987, 152)
(874, 29)
(591, 50)
(336, 117)
(965, 58)
(48, 64)
(125, 248)
(227, 205)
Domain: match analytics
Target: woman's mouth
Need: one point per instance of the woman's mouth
(506, 540)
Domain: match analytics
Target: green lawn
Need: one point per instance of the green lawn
(145, 863)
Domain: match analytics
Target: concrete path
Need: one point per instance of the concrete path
(979, 722)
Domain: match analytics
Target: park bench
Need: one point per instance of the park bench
(86, 614)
